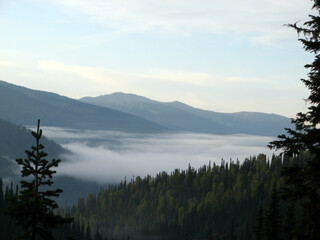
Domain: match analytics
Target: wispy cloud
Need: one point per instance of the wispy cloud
(194, 78)
(120, 79)
(265, 18)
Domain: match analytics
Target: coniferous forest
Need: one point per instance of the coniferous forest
(212, 202)
(229, 201)
(261, 198)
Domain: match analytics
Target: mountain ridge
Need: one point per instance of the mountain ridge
(24, 106)
(129, 112)
(182, 117)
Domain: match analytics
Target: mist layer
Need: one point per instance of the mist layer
(106, 156)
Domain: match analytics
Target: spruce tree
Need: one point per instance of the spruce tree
(272, 223)
(289, 223)
(302, 182)
(33, 209)
(88, 233)
(259, 230)
(1, 193)
(97, 235)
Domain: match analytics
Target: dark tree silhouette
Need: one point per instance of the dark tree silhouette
(302, 182)
(289, 223)
(272, 223)
(259, 230)
(33, 209)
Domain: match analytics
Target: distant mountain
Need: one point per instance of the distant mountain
(24, 106)
(14, 140)
(181, 117)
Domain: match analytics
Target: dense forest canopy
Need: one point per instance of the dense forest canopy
(186, 204)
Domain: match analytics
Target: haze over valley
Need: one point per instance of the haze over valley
(107, 156)
(145, 138)
(125, 135)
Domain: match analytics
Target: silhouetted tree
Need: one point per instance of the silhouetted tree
(88, 233)
(33, 209)
(302, 183)
(209, 236)
(289, 223)
(272, 223)
(259, 230)
(97, 235)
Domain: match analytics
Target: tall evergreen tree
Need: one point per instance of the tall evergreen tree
(97, 235)
(302, 183)
(272, 222)
(1, 193)
(33, 209)
(289, 223)
(88, 233)
(259, 230)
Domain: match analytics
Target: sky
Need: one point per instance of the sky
(224, 56)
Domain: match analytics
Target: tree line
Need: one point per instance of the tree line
(212, 202)
(227, 201)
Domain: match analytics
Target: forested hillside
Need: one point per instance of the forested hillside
(212, 202)
(15, 140)
(221, 201)
(8, 229)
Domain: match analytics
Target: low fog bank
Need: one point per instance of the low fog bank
(106, 156)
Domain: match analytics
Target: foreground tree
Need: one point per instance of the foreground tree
(33, 209)
(302, 181)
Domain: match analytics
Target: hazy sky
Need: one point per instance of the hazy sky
(214, 54)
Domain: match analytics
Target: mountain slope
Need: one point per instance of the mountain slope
(14, 140)
(181, 117)
(256, 123)
(24, 106)
(158, 112)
